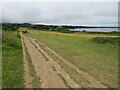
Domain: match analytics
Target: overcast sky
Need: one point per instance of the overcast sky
(69, 13)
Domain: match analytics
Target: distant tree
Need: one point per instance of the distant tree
(10, 27)
(84, 31)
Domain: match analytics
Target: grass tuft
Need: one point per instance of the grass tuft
(65, 82)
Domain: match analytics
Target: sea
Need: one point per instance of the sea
(96, 29)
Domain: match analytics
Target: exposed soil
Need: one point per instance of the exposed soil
(49, 78)
(27, 77)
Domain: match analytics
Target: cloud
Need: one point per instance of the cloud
(75, 13)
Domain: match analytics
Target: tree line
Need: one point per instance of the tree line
(63, 29)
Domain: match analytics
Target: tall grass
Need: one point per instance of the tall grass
(12, 75)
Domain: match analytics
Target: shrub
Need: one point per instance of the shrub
(103, 40)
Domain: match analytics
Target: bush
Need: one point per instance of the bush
(10, 27)
(103, 40)
(84, 31)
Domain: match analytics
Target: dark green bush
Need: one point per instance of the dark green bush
(108, 33)
(84, 31)
(104, 40)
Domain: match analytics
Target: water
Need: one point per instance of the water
(96, 29)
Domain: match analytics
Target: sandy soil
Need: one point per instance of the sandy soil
(49, 78)
(27, 77)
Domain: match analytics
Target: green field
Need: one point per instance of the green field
(12, 64)
(100, 60)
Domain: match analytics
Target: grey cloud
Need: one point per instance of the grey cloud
(76, 13)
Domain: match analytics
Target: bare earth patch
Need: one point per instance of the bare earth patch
(27, 77)
(49, 78)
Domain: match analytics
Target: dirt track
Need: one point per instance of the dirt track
(49, 77)
(44, 63)
(27, 77)
(93, 82)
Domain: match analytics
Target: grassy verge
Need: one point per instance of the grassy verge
(12, 64)
(36, 79)
(99, 60)
(0, 56)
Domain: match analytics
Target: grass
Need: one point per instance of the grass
(78, 78)
(12, 64)
(99, 60)
(64, 80)
(36, 79)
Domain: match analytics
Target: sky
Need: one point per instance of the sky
(61, 13)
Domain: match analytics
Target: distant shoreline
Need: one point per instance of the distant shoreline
(67, 26)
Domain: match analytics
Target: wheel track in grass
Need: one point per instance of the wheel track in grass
(58, 69)
(93, 81)
(49, 77)
(27, 77)
(41, 67)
